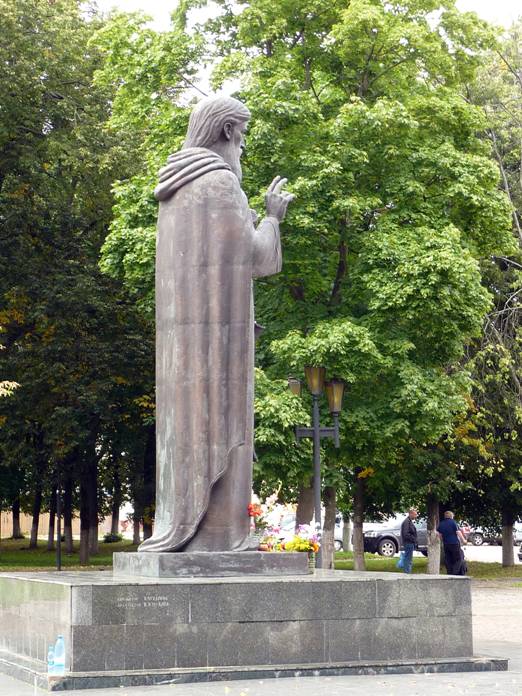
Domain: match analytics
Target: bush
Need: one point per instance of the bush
(111, 538)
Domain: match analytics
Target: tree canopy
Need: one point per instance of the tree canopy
(398, 198)
(398, 127)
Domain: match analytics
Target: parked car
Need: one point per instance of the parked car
(466, 529)
(520, 553)
(386, 539)
(479, 536)
(517, 530)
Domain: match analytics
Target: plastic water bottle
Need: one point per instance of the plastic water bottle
(59, 656)
(50, 660)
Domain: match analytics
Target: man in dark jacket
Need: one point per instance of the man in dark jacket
(409, 539)
(452, 538)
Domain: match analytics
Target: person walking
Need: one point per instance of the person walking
(452, 537)
(409, 539)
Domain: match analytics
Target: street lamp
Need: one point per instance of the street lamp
(58, 520)
(315, 379)
(295, 386)
(334, 394)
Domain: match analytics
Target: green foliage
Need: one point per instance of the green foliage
(477, 469)
(7, 388)
(148, 73)
(282, 463)
(397, 245)
(74, 341)
(110, 538)
(397, 200)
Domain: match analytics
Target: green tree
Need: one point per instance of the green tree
(397, 200)
(148, 73)
(496, 361)
(360, 106)
(74, 341)
(476, 469)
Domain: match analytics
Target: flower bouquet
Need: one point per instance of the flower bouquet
(270, 542)
(259, 524)
(306, 539)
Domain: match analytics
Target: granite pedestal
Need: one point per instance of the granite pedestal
(209, 565)
(122, 631)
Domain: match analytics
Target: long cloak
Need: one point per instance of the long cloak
(207, 253)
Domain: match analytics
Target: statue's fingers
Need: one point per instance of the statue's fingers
(289, 197)
(273, 184)
(279, 185)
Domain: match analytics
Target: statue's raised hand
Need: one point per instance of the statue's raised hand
(277, 200)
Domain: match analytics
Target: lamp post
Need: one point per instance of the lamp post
(315, 378)
(58, 520)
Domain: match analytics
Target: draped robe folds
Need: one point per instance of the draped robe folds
(207, 253)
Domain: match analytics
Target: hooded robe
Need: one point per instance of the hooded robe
(207, 253)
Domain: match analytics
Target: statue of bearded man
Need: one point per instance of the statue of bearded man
(208, 251)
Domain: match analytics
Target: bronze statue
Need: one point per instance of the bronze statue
(208, 251)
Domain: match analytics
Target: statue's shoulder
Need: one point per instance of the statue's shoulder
(219, 187)
(195, 171)
(218, 182)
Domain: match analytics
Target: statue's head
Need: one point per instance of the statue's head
(219, 124)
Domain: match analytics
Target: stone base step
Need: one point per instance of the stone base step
(22, 670)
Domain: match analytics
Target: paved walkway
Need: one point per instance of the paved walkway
(497, 630)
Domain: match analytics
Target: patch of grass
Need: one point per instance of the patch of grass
(493, 571)
(476, 569)
(381, 564)
(15, 555)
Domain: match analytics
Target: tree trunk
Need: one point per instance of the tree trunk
(507, 189)
(15, 511)
(327, 540)
(116, 501)
(37, 506)
(137, 514)
(149, 468)
(67, 514)
(305, 506)
(358, 519)
(508, 556)
(147, 527)
(52, 517)
(136, 531)
(347, 533)
(433, 537)
(115, 520)
(93, 503)
(84, 520)
(93, 538)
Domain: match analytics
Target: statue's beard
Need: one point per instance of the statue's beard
(236, 168)
(232, 156)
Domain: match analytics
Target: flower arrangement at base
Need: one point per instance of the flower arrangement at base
(259, 524)
(270, 542)
(305, 539)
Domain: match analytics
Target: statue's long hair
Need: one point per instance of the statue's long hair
(209, 117)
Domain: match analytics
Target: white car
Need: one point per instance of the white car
(517, 532)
